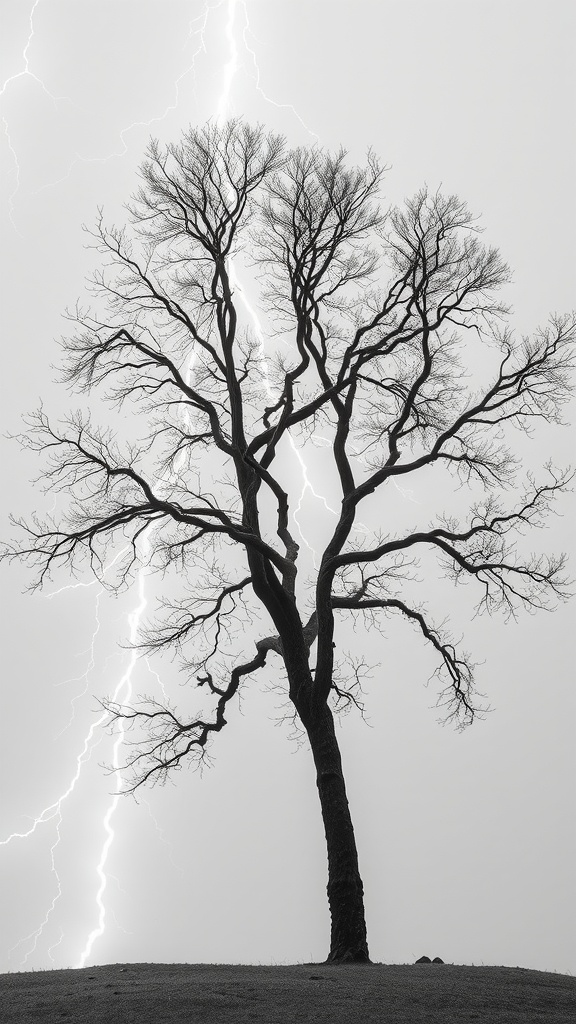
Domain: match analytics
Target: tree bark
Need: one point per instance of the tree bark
(348, 940)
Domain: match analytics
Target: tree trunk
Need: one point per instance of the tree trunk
(348, 941)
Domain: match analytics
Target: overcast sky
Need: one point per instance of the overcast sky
(467, 840)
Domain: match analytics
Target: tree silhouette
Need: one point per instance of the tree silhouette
(210, 489)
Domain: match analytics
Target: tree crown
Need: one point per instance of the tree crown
(386, 379)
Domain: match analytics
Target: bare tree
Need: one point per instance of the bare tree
(376, 374)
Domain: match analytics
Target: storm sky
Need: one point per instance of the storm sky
(467, 841)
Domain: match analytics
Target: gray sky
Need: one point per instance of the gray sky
(466, 841)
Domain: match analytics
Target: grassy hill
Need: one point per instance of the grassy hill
(222, 993)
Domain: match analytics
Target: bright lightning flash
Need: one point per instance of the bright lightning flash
(122, 695)
(236, 39)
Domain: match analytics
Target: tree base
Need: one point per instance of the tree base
(348, 957)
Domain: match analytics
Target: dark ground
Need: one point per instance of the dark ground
(226, 994)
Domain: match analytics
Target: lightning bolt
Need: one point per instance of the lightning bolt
(307, 484)
(231, 67)
(26, 72)
(122, 695)
(236, 31)
(54, 811)
(230, 71)
(279, 106)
